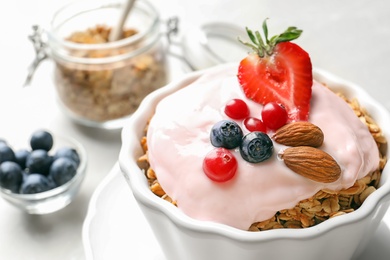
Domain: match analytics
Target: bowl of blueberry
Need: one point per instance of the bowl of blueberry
(42, 175)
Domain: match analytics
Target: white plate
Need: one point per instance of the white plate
(115, 227)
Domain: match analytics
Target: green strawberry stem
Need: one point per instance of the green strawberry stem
(266, 48)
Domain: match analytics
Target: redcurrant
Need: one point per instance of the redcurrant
(236, 109)
(254, 124)
(274, 115)
(220, 165)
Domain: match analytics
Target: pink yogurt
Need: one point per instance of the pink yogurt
(179, 138)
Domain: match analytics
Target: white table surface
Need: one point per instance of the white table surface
(350, 38)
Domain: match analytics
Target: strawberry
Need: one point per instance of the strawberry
(278, 71)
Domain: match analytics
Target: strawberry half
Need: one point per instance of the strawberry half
(278, 71)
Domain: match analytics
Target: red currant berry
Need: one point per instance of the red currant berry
(254, 124)
(236, 109)
(274, 115)
(220, 165)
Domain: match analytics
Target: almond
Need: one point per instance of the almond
(299, 134)
(312, 163)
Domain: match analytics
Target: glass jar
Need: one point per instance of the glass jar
(100, 83)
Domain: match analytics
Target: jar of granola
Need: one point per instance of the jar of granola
(101, 82)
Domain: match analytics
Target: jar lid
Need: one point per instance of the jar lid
(212, 44)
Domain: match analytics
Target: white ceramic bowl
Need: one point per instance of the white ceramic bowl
(54, 199)
(182, 237)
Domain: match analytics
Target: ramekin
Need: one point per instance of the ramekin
(182, 237)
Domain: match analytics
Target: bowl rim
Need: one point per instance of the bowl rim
(79, 176)
(142, 193)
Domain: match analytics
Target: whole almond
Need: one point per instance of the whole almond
(299, 134)
(312, 163)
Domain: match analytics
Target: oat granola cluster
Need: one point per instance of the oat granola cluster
(323, 205)
(108, 91)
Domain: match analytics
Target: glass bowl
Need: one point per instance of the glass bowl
(182, 237)
(56, 198)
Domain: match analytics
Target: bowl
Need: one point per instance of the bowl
(53, 199)
(182, 237)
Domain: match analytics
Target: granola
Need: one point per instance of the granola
(111, 90)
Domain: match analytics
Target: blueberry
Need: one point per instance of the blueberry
(68, 152)
(62, 170)
(21, 157)
(51, 182)
(35, 183)
(227, 134)
(39, 161)
(41, 139)
(11, 176)
(256, 147)
(6, 153)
